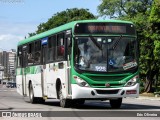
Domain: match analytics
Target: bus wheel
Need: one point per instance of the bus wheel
(63, 102)
(115, 104)
(31, 94)
(40, 100)
(77, 102)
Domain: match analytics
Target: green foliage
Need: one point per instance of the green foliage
(120, 8)
(155, 24)
(63, 17)
(157, 49)
(109, 8)
(155, 12)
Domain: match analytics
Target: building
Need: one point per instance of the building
(11, 64)
(1, 54)
(1, 73)
(1, 66)
(8, 63)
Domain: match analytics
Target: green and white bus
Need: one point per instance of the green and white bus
(81, 60)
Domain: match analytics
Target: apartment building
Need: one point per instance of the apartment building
(8, 63)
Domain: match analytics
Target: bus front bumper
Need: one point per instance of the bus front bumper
(104, 93)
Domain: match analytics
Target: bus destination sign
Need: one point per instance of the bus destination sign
(104, 28)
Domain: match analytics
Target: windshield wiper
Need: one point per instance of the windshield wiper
(116, 43)
(95, 42)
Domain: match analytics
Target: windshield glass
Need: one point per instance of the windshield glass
(105, 54)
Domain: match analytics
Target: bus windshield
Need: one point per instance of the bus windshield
(105, 54)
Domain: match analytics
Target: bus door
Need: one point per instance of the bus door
(24, 71)
(44, 43)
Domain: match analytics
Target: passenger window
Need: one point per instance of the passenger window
(37, 57)
(19, 57)
(60, 46)
(31, 54)
(51, 48)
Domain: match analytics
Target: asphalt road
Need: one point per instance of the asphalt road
(135, 108)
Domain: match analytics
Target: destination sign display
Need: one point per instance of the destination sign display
(104, 28)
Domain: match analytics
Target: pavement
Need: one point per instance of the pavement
(148, 98)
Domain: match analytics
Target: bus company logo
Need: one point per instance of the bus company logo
(107, 85)
(6, 114)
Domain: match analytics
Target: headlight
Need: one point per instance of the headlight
(132, 81)
(81, 82)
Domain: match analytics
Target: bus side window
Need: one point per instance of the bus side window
(31, 54)
(68, 44)
(19, 57)
(37, 57)
(51, 48)
(60, 46)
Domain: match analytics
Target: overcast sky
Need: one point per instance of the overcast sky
(20, 17)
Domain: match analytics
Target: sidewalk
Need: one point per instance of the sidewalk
(142, 97)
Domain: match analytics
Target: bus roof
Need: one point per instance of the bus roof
(64, 27)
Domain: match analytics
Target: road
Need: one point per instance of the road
(10, 100)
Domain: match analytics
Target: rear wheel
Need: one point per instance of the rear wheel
(115, 104)
(63, 102)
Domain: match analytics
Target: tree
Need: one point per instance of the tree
(146, 17)
(64, 17)
(154, 20)
(123, 8)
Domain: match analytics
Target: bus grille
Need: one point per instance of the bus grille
(106, 78)
(100, 81)
(103, 85)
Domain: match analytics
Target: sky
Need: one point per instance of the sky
(20, 17)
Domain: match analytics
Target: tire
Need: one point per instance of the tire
(77, 102)
(115, 104)
(31, 95)
(63, 102)
(80, 102)
(40, 100)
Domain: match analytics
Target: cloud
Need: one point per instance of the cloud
(9, 37)
(11, 33)
(9, 41)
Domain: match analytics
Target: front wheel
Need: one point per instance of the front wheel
(31, 95)
(63, 102)
(116, 103)
(77, 102)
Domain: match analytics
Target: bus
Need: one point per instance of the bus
(78, 61)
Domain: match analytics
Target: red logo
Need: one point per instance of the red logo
(107, 85)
